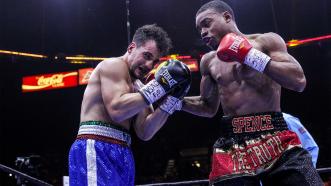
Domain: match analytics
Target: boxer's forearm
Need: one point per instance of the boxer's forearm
(126, 106)
(197, 106)
(147, 127)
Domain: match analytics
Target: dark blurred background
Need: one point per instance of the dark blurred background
(42, 125)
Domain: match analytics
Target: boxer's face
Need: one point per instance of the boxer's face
(142, 59)
(212, 26)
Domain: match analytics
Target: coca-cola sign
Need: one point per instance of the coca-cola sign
(49, 81)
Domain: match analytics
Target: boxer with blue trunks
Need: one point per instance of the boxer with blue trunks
(116, 100)
(101, 154)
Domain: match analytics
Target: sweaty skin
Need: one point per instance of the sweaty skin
(237, 87)
(110, 94)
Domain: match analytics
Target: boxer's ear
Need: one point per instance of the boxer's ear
(227, 16)
(131, 46)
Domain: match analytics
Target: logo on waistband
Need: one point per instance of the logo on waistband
(252, 123)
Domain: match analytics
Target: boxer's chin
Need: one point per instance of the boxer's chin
(213, 44)
(133, 74)
(139, 74)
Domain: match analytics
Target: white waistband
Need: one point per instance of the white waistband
(105, 131)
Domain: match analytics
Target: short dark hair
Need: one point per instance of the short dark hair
(156, 33)
(218, 6)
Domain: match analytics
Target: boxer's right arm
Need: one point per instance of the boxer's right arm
(205, 105)
(119, 102)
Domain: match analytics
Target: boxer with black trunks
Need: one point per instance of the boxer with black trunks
(115, 100)
(245, 74)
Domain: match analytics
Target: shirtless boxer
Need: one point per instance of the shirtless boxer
(115, 100)
(245, 74)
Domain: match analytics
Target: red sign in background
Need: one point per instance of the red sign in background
(49, 81)
(84, 75)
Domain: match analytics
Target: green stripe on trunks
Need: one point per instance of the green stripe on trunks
(105, 124)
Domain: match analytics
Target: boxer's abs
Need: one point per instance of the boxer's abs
(246, 95)
(247, 102)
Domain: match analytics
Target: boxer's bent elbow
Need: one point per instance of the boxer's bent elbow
(144, 136)
(117, 116)
(210, 114)
(300, 84)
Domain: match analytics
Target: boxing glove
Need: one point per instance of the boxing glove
(237, 48)
(169, 75)
(173, 101)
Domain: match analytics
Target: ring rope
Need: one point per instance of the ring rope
(206, 181)
(24, 176)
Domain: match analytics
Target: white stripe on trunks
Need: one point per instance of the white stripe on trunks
(91, 163)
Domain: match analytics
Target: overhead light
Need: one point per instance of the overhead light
(22, 54)
(295, 42)
(85, 58)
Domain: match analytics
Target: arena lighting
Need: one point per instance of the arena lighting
(294, 42)
(85, 58)
(174, 56)
(291, 43)
(77, 62)
(22, 54)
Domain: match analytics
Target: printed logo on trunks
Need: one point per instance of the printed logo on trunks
(252, 123)
(253, 156)
(257, 155)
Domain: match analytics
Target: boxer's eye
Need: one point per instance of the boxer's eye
(147, 56)
(206, 23)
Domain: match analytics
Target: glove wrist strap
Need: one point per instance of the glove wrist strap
(257, 60)
(152, 91)
(171, 104)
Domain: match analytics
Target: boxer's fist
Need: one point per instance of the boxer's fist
(181, 90)
(172, 73)
(169, 75)
(237, 48)
(173, 101)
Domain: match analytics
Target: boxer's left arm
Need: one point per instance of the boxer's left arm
(207, 103)
(283, 68)
(148, 121)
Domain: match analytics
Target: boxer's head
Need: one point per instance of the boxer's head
(214, 20)
(149, 43)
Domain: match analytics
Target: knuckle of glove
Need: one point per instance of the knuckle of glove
(172, 73)
(233, 48)
(181, 91)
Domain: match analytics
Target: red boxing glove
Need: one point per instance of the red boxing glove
(237, 48)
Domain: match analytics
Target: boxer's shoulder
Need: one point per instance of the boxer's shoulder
(270, 39)
(208, 57)
(112, 62)
(113, 66)
(206, 60)
(266, 42)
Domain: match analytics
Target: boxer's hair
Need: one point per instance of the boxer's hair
(156, 33)
(218, 6)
